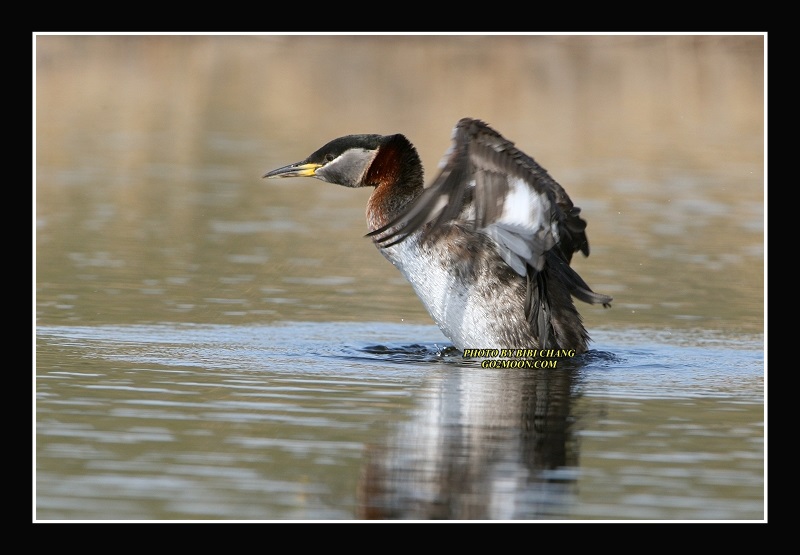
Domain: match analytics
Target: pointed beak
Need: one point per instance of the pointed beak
(298, 169)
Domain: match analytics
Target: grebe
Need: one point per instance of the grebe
(486, 247)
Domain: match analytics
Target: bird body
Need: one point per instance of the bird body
(486, 246)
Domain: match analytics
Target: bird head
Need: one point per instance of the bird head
(343, 161)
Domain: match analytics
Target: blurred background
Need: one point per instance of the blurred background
(150, 152)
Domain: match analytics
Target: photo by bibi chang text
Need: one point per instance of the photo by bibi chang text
(519, 358)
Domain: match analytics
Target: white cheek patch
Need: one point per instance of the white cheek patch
(351, 165)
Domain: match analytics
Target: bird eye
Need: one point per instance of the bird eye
(328, 157)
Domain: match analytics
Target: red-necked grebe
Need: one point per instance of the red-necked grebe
(486, 247)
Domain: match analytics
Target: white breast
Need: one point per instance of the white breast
(461, 311)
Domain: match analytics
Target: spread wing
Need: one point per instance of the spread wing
(487, 183)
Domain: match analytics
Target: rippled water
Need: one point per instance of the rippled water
(286, 422)
(212, 346)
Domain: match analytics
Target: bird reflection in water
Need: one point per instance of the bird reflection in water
(484, 445)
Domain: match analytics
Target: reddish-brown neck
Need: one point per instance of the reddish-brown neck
(396, 174)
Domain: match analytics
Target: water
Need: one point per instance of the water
(287, 422)
(213, 346)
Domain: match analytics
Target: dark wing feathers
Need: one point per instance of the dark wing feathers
(502, 192)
